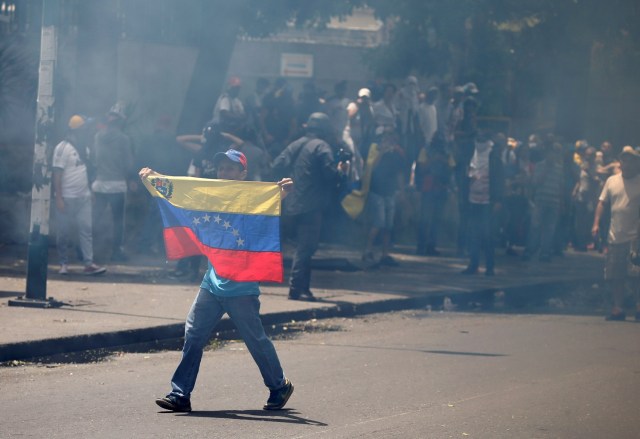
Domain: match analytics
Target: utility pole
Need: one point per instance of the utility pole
(37, 260)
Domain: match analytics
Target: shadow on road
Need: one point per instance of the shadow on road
(287, 416)
(426, 351)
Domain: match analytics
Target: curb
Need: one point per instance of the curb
(514, 298)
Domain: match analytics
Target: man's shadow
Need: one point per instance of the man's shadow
(287, 416)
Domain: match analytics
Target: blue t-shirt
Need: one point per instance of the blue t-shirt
(220, 286)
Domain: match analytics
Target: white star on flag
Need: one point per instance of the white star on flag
(207, 218)
(226, 224)
(240, 242)
(196, 221)
(235, 232)
(217, 219)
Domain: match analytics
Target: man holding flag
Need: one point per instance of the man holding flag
(236, 225)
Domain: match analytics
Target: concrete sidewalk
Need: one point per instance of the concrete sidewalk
(137, 302)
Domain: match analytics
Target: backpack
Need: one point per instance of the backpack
(283, 165)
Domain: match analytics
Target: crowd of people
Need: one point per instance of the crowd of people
(357, 156)
(542, 191)
(533, 197)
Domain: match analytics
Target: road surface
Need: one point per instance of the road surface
(413, 374)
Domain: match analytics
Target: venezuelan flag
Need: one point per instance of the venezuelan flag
(235, 224)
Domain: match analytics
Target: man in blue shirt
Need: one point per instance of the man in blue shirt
(240, 301)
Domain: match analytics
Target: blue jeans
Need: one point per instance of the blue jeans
(382, 209)
(206, 312)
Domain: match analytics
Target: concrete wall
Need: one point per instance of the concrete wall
(155, 78)
(332, 63)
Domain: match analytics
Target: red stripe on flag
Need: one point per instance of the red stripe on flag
(237, 265)
(181, 242)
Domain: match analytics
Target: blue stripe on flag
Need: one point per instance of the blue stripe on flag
(228, 231)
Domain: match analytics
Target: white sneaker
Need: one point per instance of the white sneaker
(63, 269)
(93, 269)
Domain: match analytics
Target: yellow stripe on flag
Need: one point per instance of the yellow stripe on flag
(230, 196)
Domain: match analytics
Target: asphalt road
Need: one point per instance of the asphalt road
(412, 374)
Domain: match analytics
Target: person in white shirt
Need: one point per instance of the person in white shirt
(407, 105)
(385, 113)
(229, 112)
(73, 197)
(428, 115)
(622, 193)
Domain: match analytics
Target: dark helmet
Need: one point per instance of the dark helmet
(319, 124)
(213, 139)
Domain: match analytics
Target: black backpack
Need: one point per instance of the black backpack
(283, 165)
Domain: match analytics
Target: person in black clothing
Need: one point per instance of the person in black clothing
(309, 102)
(433, 175)
(465, 134)
(310, 162)
(486, 191)
(278, 118)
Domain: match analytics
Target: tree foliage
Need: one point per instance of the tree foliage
(516, 50)
(263, 18)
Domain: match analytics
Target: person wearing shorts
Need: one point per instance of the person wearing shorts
(622, 193)
(382, 209)
(618, 265)
(386, 180)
